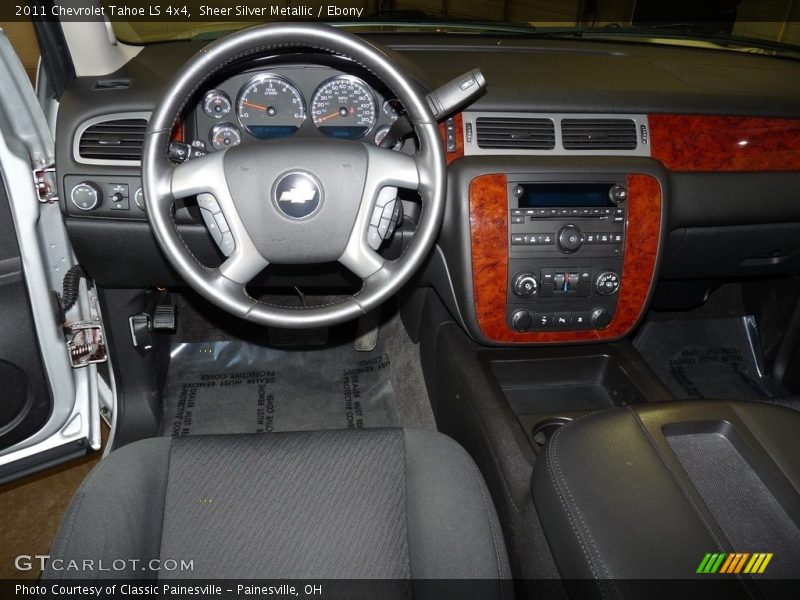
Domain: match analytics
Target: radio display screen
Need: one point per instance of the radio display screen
(536, 195)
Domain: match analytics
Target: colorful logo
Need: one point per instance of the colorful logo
(721, 563)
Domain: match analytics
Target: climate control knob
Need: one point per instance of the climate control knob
(601, 318)
(526, 285)
(521, 320)
(607, 283)
(570, 238)
(86, 196)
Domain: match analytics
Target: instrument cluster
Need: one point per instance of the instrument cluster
(303, 100)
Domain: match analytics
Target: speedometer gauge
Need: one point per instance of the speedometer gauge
(343, 107)
(269, 107)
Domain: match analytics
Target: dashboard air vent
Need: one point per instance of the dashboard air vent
(598, 134)
(516, 133)
(119, 139)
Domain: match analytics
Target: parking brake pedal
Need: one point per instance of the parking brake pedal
(142, 325)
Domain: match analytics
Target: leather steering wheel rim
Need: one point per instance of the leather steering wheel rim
(163, 181)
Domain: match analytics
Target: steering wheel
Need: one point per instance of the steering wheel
(294, 200)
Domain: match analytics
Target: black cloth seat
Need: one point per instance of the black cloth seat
(374, 503)
(645, 492)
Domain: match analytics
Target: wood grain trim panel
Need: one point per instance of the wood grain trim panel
(717, 143)
(451, 156)
(489, 241)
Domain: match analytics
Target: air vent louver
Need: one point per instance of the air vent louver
(598, 134)
(516, 133)
(120, 139)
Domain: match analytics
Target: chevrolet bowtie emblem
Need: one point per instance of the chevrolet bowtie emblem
(298, 195)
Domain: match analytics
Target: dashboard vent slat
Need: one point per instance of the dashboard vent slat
(115, 139)
(515, 133)
(599, 134)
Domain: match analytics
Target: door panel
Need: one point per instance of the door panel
(25, 402)
(49, 411)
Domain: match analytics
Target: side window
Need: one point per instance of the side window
(23, 38)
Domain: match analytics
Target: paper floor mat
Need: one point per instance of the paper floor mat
(237, 387)
(708, 358)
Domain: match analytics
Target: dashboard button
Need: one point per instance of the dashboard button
(562, 319)
(86, 196)
(542, 320)
(580, 319)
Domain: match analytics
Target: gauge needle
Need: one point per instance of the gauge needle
(251, 105)
(330, 116)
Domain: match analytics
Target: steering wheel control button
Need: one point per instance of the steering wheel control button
(211, 225)
(374, 239)
(222, 224)
(227, 245)
(86, 196)
(607, 283)
(297, 194)
(208, 202)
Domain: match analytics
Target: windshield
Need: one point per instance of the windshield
(749, 25)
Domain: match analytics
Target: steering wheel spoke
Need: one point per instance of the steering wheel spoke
(387, 170)
(205, 178)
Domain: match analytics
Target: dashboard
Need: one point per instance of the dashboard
(302, 100)
(711, 170)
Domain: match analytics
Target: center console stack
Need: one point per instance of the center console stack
(566, 249)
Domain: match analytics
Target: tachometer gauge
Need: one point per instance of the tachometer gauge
(343, 107)
(269, 107)
(216, 104)
(224, 136)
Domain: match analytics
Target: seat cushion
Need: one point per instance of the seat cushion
(645, 492)
(373, 503)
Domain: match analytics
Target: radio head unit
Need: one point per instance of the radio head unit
(565, 248)
(567, 195)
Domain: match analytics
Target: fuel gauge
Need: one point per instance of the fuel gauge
(216, 104)
(224, 136)
(393, 108)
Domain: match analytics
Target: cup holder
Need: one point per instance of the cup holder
(544, 430)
